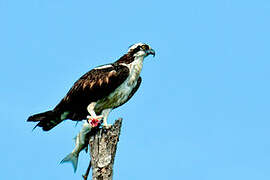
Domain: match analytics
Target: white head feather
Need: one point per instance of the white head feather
(139, 53)
(134, 46)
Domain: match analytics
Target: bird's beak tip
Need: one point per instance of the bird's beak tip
(152, 52)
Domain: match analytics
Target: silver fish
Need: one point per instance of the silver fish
(81, 142)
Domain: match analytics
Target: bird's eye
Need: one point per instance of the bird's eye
(145, 47)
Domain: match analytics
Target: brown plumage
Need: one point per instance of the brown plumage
(97, 85)
(91, 87)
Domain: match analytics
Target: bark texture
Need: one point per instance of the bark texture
(102, 149)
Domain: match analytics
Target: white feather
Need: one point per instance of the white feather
(121, 93)
(104, 66)
(134, 46)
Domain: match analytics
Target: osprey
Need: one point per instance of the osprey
(99, 91)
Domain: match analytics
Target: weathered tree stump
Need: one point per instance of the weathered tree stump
(102, 149)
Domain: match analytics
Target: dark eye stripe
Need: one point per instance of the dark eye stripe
(145, 47)
(137, 49)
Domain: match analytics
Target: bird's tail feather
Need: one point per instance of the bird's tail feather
(47, 120)
(73, 158)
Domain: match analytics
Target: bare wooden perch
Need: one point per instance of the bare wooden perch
(102, 150)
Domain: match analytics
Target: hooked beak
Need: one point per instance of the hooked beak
(151, 51)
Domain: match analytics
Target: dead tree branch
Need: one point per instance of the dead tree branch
(103, 147)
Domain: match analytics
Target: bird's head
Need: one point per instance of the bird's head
(140, 49)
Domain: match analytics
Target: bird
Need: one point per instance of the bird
(95, 94)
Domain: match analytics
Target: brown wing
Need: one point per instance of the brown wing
(92, 86)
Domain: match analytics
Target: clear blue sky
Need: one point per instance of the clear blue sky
(201, 113)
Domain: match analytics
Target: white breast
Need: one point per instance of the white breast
(120, 95)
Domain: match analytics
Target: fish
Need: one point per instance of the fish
(81, 142)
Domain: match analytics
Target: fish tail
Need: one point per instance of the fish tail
(73, 158)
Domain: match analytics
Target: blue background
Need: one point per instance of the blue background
(202, 111)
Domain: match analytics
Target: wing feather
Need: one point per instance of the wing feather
(92, 86)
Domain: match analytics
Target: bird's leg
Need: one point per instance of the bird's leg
(105, 114)
(93, 120)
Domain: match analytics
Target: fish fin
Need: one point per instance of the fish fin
(73, 158)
